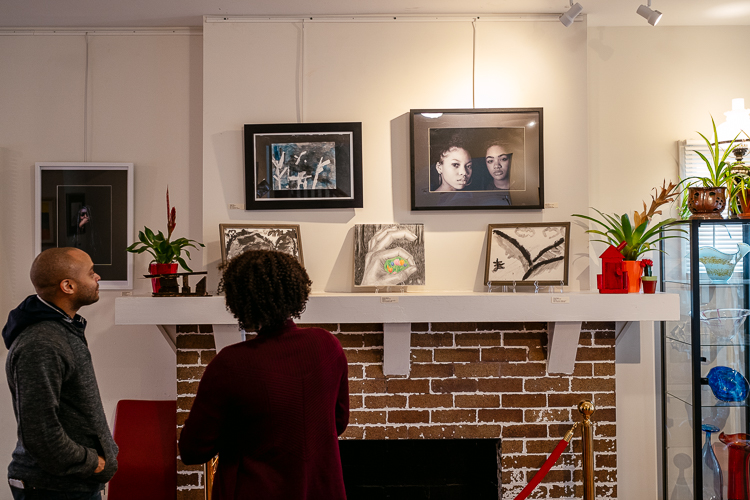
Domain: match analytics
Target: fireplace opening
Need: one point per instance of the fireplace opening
(415, 469)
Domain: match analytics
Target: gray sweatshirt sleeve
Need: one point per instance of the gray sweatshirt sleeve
(40, 370)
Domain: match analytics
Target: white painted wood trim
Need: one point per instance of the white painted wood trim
(562, 346)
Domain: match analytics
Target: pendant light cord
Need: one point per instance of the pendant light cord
(86, 101)
(301, 79)
(473, 62)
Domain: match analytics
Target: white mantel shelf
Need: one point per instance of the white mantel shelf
(564, 313)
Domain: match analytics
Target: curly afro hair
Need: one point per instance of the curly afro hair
(264, 288)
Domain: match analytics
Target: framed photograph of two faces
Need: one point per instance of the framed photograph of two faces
(303, 165)
(477, 159)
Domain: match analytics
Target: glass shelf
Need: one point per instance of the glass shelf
(708, 282)
(708, 400)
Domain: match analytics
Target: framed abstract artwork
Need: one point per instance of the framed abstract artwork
(389, 255)
(238, 238)
(477, 159)
(527, 253)
(88, 206)
(303, 165)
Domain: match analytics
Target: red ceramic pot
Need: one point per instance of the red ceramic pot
(707, 202)
(649, 286)
(634, 270)
(155, 268)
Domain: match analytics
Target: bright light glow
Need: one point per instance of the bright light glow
(729, 10)
(532, 123)
(738, 119)
(432, 115)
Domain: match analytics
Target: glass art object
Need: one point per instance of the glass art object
(720, 265)
(727, 384)
(739, 445)
(712, 479)
(723, 324)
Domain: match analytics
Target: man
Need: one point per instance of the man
(65, 448)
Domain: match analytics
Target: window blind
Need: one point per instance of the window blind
(722, 237)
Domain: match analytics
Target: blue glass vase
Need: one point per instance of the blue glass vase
(712, 480)
(727, 384)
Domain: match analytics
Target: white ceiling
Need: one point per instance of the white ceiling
(178, 13)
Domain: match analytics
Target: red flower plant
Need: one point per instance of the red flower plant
(171, 217)
(646, 265)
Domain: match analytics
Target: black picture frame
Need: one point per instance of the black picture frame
(515, 136)
(88, 205)
(286, 163)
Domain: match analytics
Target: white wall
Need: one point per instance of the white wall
(375, 72)
(648, 88)
(145, 102)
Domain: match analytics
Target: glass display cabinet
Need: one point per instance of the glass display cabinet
(705, 362)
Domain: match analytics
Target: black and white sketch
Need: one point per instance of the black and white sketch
(238, 238)
(389, 254)
(527, 253)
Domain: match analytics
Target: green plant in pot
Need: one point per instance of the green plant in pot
(649, 280)
(167, 253)
(638, 234)
(707, 196)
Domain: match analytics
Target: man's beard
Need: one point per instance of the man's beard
(88, 298)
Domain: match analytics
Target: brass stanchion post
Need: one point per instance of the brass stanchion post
(587, 441)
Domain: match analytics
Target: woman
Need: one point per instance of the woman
(498, 159)
(272, 407)
(453, 167)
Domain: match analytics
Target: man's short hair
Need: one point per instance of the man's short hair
(50, 268)
(264, 288)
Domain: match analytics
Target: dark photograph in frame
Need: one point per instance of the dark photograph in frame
(88, 206)
(477, 159)
(303, 165)
(526, 253)
(239, 238)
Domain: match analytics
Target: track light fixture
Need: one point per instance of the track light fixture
(652, 16)
(573, 11)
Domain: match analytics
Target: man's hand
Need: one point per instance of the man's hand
(100, 467)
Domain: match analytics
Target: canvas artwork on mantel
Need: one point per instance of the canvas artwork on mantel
(527, 253)
(389, 255)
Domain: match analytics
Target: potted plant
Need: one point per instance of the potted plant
(648, 279)
(708, 200)
(636, 234)
(167, 253)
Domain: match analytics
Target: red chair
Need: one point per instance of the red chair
(145, 432)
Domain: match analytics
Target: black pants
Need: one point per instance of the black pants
(29, 494)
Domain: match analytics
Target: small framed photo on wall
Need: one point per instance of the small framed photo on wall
(299, 166)
(477, 159)
(238, 238)
(88, 206)
(527, 253)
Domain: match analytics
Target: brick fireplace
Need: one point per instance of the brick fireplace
(466, 381)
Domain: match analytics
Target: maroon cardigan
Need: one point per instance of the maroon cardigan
(272, 408)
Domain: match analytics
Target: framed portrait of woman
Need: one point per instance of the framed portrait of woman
(464, 159)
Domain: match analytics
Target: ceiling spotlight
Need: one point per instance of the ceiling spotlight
(652, 16)
(573, 11)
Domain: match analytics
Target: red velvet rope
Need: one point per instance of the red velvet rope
(541, 473)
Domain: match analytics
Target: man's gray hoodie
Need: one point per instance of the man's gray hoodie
(62, 428)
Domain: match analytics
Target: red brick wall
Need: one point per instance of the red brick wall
(467, 380)
(489, 380)
(195, 349)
